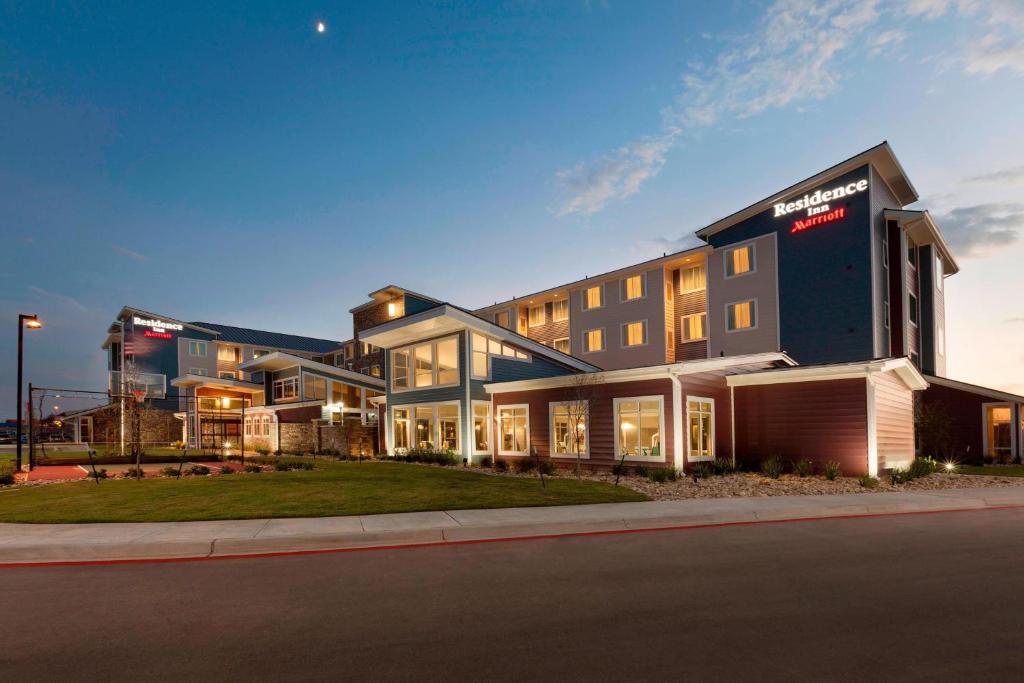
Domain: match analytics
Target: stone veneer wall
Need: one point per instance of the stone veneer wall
(350, 438)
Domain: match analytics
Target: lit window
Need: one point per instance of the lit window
(740, 316)
(313, 388)
(569, 428)
(692, 279)
(197, 371)
(635, 333)
(266, 425)
(701, 416)
(425, 427)
(400, 370)
(448, 423)
(693, 327)
(197, 348)
(512, 430)
(561, 344)
(593, 340)
(448, 361)
(593, 297)
(638, 427)
(739, 260)
(375, 370)
(479, 355)
(481, 427)
(400, 428)
(423, 365)
(225, 374)
(285, 389)
(484, 348)
(560, 310)
(536, 315)
(634, 287)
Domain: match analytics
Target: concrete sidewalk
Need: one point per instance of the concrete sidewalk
(29, 543)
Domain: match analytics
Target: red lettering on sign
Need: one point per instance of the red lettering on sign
(158, 335)
(820, 219)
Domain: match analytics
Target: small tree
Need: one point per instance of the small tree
(933, 427)
(580, 395)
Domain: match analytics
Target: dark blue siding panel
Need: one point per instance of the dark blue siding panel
(508, 370)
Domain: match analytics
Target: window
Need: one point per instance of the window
(423, 365)
(197, 348)
(197, 371)
(259, 353)
(634, 287)
(424, 427)
(693, 327)
(481, 427)
(349, 351)
(634, 333)
(448, 361)
(448, 422)
(286, 389)
(560, 310)
(911, 254)
(512, 430)
(739, 261)
(913, 309)
(938, 273)
(400, 370)
(375, 370)
(701, 418)
(593, 340)
(638, 427)
(593, 297)
(561, 345)
(484, 348)
(317, 359)
(313, 388)
(248, 426)
(229, 354)
(225, 374)
(400, 429)
(569, 428)
(536, 315)
(266, 425)
(741, 316)
(692, 279)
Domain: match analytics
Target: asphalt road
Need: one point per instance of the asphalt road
(924, 597)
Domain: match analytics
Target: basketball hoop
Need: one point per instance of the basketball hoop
(139, 394)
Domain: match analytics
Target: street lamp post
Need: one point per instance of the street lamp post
(33, 323)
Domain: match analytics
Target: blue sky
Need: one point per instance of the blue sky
(226, 162)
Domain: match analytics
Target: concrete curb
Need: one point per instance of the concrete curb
(185, 541)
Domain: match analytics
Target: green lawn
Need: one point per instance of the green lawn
(1002, 471)
(334, 488)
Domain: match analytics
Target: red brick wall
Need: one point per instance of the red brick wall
(820, 421)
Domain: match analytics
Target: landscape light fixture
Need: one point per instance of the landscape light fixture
(32, 322)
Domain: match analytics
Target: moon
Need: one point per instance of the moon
(321, 27)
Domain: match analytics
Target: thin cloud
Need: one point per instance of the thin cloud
(134, 255)
(1006, 175)
(979, 230)
(62, 298)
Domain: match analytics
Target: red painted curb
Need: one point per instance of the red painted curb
(477, 541)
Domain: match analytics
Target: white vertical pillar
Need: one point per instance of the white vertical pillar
(677, 422)
(872, 428)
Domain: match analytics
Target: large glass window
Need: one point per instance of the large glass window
(423, 364)
(740, 316)
(313, 388)
(197, 348)
(433, 363)
(634, 287)
(638, 427)
(448, 422)
(481, 427)
(739, 260)
(593, 340)
(692, 279)
(998, 432)
(400, 429)
(400, 370)
(536, 315)
(425, 427)
(693, 327)
(484, 348)
(285, 389)
(593, 297)
(560, 310)
(448, 361)
(569, 427)
(229, 354)
(512, 430)
(701, 417)
(635, 333)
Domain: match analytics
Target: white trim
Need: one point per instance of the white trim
(756, 315)
(677, 424)
(872, 428)
(689, 442)
(732, 424)
(585, 455)
(488, 425)
(726, 250)
(281, 360)
(497, 417)
(604, 340)
(904, 369)
(702, 264)
(543, 315)
(434, 366)
(567, 306)
(975, 389)
(568, 340)
(661, 427)
(1013, 427)
(682, 336)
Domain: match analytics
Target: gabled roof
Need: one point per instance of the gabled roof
(975, 389)
(447, 318)
(279, 360)
(923, 230)
(244, 335)
(880, 156)
(390, 292)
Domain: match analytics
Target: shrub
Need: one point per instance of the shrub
(307, 466)
(922, 467)
(771, 467)
(803, 467)
(832, 470)
(277, 452)
(134, 472)
(485, 462)
(546, 467)
(226, 470)
(722, 466)
(199, 470)
(867, 481)
(524, 465)
(702, 470)
(234, 458)
(898, 475)
(6, 475)
(282, 466)
(253, 467)
(640, 471)
(501, 466)
(170, 471)
(663, 474)
(619, 469)
(99, 474)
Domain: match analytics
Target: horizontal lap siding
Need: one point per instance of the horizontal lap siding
(894, 417)
(961, 411)
(602, 422)
(710, 385)
(820, 421)
(551, 330)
